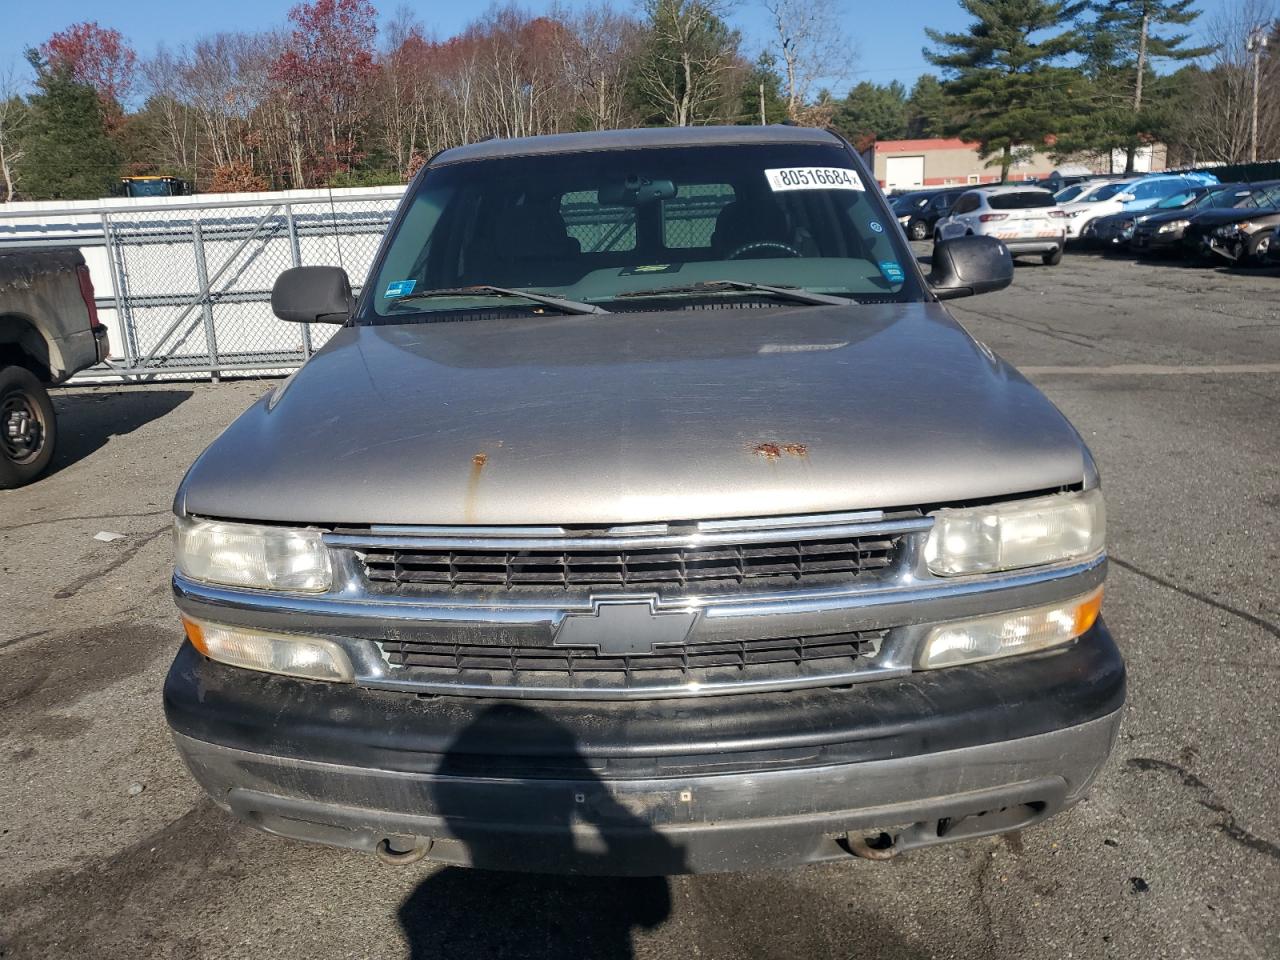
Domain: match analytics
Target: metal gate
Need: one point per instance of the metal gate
(187, 286)
(193, 286)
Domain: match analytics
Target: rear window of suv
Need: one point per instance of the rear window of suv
(1023, 200)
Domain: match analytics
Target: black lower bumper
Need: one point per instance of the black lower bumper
(657, 786)
(1031, 245)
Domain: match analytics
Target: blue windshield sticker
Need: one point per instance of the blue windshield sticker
(400, 288)
(891, 270)
(875, 225)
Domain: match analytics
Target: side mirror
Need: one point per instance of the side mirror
(1125, 197)
(312, 295)
(967, 266)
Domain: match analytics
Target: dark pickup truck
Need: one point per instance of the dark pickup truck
(647, 514)
(49, 330)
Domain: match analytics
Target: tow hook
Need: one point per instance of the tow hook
(390, 854)
(882, 847)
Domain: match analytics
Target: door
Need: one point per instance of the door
(958, 224)
(903, 173)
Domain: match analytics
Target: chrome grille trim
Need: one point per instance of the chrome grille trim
(464, 538)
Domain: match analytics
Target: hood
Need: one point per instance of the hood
(692, 414)
(1168, 216)
(1217, 218)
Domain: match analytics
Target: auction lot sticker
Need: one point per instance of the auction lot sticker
(813, 178)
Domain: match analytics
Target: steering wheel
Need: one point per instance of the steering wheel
(765, 245)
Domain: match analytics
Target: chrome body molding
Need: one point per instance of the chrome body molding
(902, 600)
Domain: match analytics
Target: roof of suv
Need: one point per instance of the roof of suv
(1011, 188)
(633, 139)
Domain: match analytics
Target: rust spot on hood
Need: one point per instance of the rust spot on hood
(773, 452)
(473, 486)
(770, 451)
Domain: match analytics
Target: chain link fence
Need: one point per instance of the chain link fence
(193, 284)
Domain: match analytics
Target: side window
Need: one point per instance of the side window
(941, 203)
(967, 204)
(597, 228)
(689, 218)
(1149, 191)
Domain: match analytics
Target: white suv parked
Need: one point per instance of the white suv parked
(1027, 219)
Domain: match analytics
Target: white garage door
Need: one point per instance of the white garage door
(903, 173)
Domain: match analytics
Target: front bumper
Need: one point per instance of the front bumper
(1156, 242)
(653, 787)
(102, 342)
(1234, 248)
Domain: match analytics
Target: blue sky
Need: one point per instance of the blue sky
(887, 36)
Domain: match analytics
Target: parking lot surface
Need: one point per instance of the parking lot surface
(108, 849)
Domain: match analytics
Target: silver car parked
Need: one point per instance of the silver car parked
(1026, 218)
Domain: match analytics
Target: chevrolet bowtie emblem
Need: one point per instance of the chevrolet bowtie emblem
(625, 627)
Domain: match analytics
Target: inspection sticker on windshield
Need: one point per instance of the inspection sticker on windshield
(813, 178)
(892, 271)
(399, 288)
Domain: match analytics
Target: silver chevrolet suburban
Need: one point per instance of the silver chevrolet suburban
(648, 514)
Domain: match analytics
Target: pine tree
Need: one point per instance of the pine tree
(67, 154)
(1004, 74)
(927, 108)
(762, 99)
(873, 112)
(1124, 40)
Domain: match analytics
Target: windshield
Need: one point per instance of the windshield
(594, 226)
(1070, 193)
(909, 202)
(1177, 201)
(1106, 192)
(148, 188)
(1230, 197)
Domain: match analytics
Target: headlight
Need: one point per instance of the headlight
(311, 657)
(1009, 634)
(248, 555)
(1173, 226)
(905, 220)
(1021, 533)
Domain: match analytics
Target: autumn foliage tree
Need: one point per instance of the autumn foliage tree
(97, 57)
(323, 72)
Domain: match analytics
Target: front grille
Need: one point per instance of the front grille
(701, 666)
(776, 564)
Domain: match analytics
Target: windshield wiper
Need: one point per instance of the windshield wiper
(486, 290)
(794, 294)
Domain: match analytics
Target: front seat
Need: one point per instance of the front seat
(533, 246)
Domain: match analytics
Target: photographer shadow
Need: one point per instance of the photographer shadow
(578, 911)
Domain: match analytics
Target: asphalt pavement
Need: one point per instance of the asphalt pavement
(1172, 374)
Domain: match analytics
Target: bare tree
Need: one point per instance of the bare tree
(692, 53)
(596, 55)
(13, 114)
(163, 83)
(812, 46)
(1222, 103)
